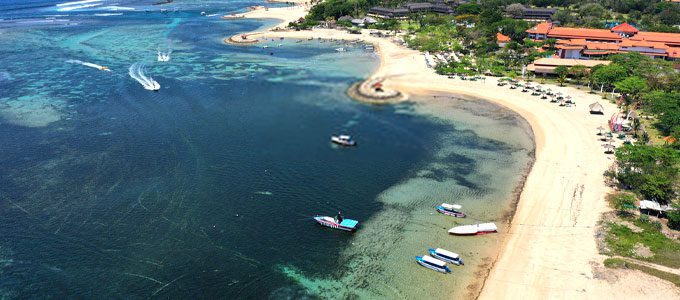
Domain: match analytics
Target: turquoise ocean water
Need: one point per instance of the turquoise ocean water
(206, 188)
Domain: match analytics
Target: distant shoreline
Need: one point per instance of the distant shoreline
(532, 257)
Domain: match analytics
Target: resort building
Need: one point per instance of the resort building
(536, 13)
(440, 7)
(388, 13)
(548, 65)
(502, 39)
(586, 43)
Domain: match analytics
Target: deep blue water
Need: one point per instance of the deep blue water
(205, 188)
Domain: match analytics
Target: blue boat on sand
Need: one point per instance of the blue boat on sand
(451, 210)
(433, 264)
(447, 256)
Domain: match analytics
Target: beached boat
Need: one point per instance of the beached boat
(446, 256)
(451, 210)
(432, 263)
(343, 140)
(474, 229)
(337, 223)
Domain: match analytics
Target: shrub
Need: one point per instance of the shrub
(624, 203)
(674, 218)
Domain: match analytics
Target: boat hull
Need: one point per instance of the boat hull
(436, 255)
(431, 267)
(456, 214)
(344, 143)
(331, 224)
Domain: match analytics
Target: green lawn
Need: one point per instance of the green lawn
(622, 240)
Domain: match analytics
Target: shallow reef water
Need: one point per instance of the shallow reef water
(206, 188)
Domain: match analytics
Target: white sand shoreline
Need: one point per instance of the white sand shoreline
(549, 251)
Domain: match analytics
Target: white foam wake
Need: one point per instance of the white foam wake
(136, 71)
(108, 14)
(91, 65)
(77, 2)
(70, 6)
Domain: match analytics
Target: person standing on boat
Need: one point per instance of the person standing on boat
(338, 218)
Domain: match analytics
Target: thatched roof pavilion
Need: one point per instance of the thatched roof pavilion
(596, 108)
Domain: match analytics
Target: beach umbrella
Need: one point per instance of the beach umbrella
(600, 130)
(609, 148)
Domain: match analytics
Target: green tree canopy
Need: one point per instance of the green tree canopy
(608, 75)
(649, 170)
(632, 87)
(561, 73)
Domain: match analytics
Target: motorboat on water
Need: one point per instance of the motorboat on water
(475, 229)
(152, 86)
(337, 222)
(451, 210)
(163, 57)
(343, 140)
(447, 256)
(433, 264)
(340, 50)
(104, 68)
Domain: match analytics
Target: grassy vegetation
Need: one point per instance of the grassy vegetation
(617, 263)
(622, 241)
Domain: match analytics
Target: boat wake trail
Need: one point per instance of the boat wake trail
(136, 71)
(87, 64)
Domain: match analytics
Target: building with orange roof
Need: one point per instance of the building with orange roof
(585, 43)
(540, 31)
(583, 33)
(670, 39)
(625, 30)
(673, 53)
(502, 39)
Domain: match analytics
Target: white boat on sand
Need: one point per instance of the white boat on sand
(475, 229)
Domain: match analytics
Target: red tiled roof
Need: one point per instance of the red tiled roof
(502, 37)
(666, 38)
(602, 46)
(673, 52)
(599, 52)
(583, 33)
(541, 28)
(625, 27)
(569, 47)
(643, 43)
(573, 42)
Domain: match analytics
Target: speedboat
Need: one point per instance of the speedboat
(341, 50)
(343, 140)
(433, 263)
(475, 229)
(104, 68)
(342, 224)
(152, 86)
(446, 256)
(451, 210)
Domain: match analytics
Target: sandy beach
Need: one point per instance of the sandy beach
(549, 250)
